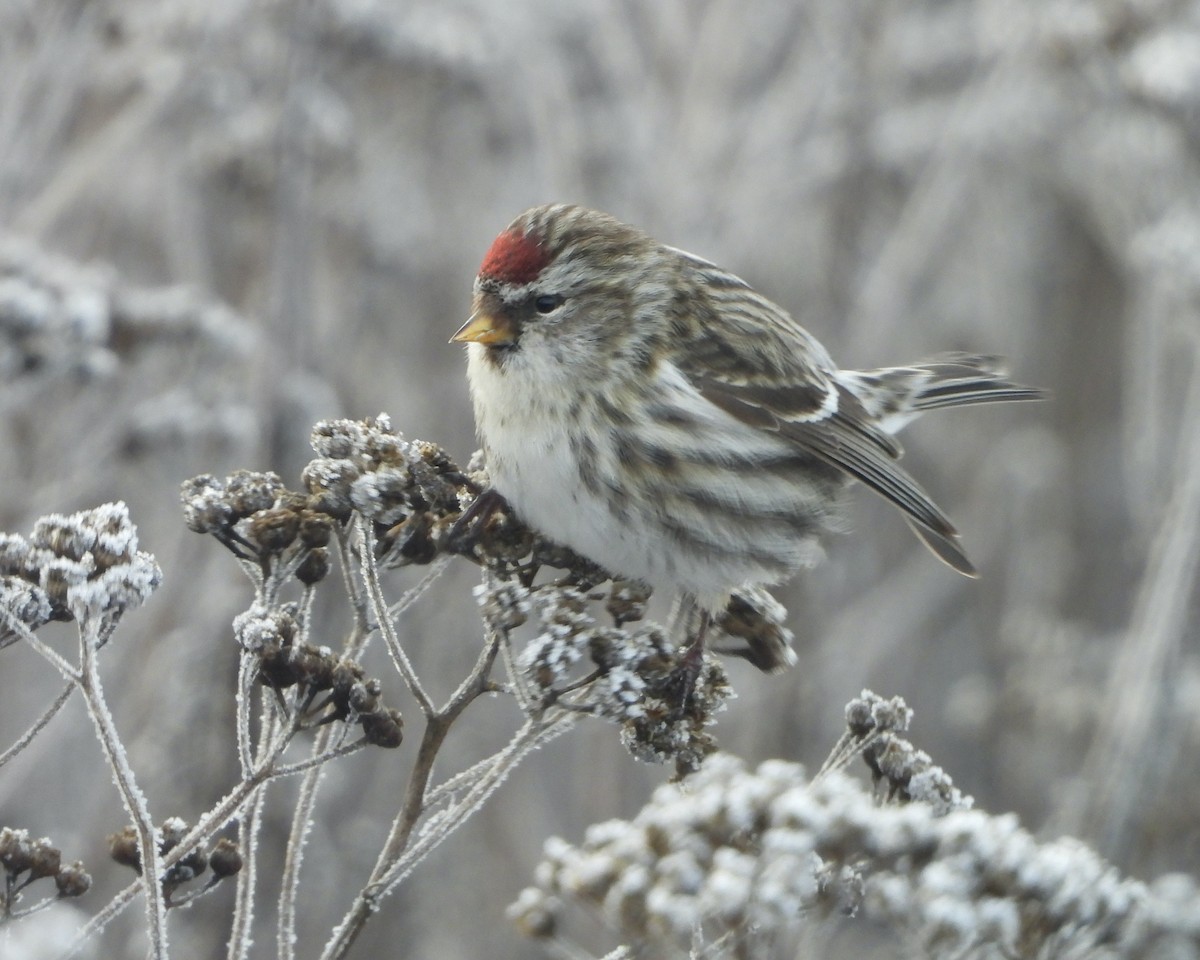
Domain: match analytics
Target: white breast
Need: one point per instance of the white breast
(524, 420)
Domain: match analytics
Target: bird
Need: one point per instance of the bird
(656, 414)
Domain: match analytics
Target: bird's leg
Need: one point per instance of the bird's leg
(693, 655)
(683, 677)
(461, 539)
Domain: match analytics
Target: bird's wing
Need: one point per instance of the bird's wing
(748, 357)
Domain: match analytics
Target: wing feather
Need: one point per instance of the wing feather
(773, 375)
(856, 448)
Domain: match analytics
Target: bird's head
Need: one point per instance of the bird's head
(562, 281)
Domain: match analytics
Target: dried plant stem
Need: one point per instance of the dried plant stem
(247, 669)
(27, 737)
(305, 615)
(206, 827)
(277, 733)
(344, 935)
(313, 768)
(379, 607)
(386, 876)
(533, 735)
(243, 913)
(844, 751)
(302, 820)
(318, 760)
(463, 780)
(131, 796)
(55, 659)
(347, 565)
(516, 681)
(437, 726)
(412, 595)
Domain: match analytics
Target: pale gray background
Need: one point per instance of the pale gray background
(1006, 176)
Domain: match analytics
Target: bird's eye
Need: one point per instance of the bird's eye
(547, 303)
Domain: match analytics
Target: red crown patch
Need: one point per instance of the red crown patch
(514, 258)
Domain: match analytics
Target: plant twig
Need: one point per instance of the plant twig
(379, 607)
(243, 913)
(48, 715)
(437, 726)
(131, 796)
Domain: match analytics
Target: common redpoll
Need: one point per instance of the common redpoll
(651, 411)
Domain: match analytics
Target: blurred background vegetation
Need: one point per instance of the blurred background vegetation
(225, 220)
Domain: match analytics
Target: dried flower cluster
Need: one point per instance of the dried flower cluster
(61, 319)
(631, 675)
(410, 491)
(25, 861)
(222, 861)
(281, 534)
(872, 728)
(745, 862)
(350, 696)
(81, 567)
(420, 505)
(259, 520)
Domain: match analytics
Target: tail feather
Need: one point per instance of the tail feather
(956, 380)
(895, 395)
(947, 548)
(892, 396)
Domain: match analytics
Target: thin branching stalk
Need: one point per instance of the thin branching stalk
(27, 737)
(302, 820)
(302, 766)
(358, 604)
(437, 726)
(844, 751)
(467, 779)
(499, 638)
(478, 681)
(379, 607)
(53, 657)
(472, 687)
(305, 615)
(414, 593)
(313, 768)
(533, 735)
(247, 670)
(365, 903)
(243, 916)
(208, 825)
(131, 796)
(276, 734)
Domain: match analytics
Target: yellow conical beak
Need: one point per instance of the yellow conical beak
(486, 329)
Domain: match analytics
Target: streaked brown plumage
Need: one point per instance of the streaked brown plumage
(654, 413)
